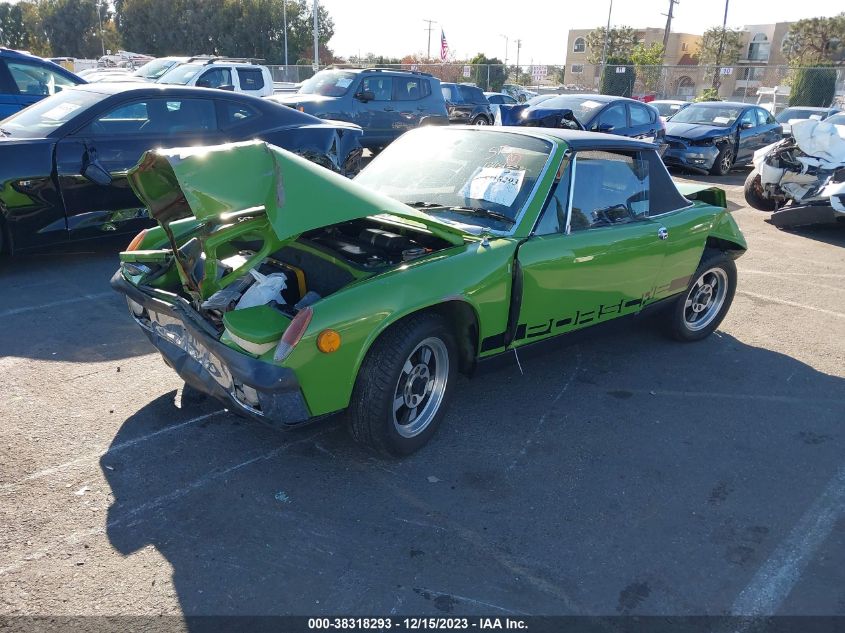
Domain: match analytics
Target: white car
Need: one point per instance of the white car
(668, 107)
(219, 72)
(518, 92)
(498, 98)
(153, 70)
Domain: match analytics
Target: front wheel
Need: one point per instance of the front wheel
(403, 384)
(699, 311)
(753, 191)
(724, 161)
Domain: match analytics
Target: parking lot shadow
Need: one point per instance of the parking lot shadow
(626, 474)
(59, 306)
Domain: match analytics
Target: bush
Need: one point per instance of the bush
(813, 87)
(708, 94)
(620, 84)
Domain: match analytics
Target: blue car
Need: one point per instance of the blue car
(383, 101)
(25, 79)
(714, 136)
(596, 113)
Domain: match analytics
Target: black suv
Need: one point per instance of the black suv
(466, 103)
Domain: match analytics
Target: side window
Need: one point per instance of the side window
(469, 94)
(610, 188)
(215, 78)
(157, 117)
(235, 113)
(495, 99)
(748, 117)
(640, 115)
(613, 117)
(553, 217)
(410, 89)
(508, 99)
(251, 78)
(450, 93)
(381, 87)
(35, 80)
(762, 117)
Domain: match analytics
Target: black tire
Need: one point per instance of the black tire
(373, 419)
(724, 161)
(753, 191)
(688, 323)
(481, 120)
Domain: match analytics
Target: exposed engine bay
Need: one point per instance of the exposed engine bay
(802, 177)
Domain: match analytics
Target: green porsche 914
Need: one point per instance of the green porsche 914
(291, 293)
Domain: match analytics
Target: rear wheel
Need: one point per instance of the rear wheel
(724, 161)
(481, 120)
(699, 311)
(754, 193)
(403, 384)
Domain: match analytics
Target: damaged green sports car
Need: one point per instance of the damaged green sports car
(292, 293)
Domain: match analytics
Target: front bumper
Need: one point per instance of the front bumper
(257, 389)
(695, 158)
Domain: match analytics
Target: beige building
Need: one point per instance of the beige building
(762, 62)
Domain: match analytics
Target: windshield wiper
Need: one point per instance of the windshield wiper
(483, 213)
(5, 132)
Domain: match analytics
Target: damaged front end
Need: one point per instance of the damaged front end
(251, 239)
(537, 116)
(801, 179)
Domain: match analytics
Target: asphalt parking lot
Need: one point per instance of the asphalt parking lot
(625, 474)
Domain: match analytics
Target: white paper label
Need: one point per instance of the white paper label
(590, 104)
(495, 184)
(721, 120)
(61, 111)
(344, 82)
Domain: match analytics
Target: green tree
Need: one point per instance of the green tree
(648, 61)
(620, 43)
(614, 82)
(708, 47)
(488, 73)
(21, 28)
(815, 40)
(815, 87)
(71, 27)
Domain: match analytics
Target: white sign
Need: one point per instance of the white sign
(415, 67)
(499, 185)
(726, 71)
(620, 70)
(467, 71)
(539, 72)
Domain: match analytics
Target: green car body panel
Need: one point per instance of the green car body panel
(504, 290)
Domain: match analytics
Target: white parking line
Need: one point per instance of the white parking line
(778, 575)
(764, 397)
(787, 302)
(117, 447)
(55, 304)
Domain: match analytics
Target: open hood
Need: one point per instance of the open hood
(296, 194)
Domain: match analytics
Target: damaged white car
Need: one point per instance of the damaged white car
(801, 178)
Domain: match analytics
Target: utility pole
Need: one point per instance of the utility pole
(716, 81)
(285, 20)
(316, 39)
(429, 29)
(506, 49)
(518, 46)
(606, 37)
(668, 29)
(100, 21)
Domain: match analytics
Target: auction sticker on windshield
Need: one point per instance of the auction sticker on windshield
(494, 184)
(61, 111)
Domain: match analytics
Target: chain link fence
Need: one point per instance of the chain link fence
(777, 86)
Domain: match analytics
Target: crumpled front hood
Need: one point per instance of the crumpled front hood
(307, 101)
(695, 131)
(296, 194)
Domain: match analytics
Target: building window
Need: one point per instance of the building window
(684, 47)
(577, 68)
(580, 45)
(758, 49)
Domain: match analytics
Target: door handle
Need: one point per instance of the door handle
(663, 233)
(388, 109)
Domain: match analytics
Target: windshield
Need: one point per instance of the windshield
(180, 74)
(667, 109)
(328, 83)
(793, 114)
(476, 178)
(582, 107)
(717, 115)
(41, 118)
(155, 69)
(837, 119)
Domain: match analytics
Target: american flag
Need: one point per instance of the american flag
(444, 46)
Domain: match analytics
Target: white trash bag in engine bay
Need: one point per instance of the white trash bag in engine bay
(265, 289)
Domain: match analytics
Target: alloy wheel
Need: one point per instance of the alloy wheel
(705, 299)
(421, 387)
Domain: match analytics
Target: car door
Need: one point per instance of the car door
(115, 141)
(9, 100)
(771, 130)
(750, 136)
(613, 119)
(595, 254)
(409, 93)
(644, 122)
(377, 115)
(251, 81)
(216, 77)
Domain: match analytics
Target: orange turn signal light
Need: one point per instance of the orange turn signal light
(136, 241)
(300, 108)
(328, 341)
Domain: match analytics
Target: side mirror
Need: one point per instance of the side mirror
(96, 174)
(366, 95)
(228, 87)
(746, 125)
(604, 127)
